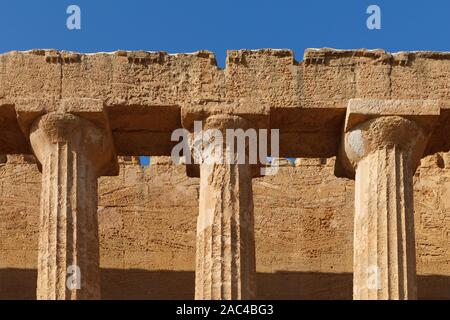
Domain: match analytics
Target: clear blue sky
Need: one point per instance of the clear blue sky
(218, 25)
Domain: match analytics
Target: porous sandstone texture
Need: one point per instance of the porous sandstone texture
(147, 229)
(377, 114)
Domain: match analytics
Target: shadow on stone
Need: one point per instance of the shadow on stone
(177, 285)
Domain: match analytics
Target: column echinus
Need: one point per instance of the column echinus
(225, 245)
(383, 143)
(73, 145)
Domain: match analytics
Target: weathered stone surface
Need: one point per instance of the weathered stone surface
(225, 253)
(359, 140)
(73, 153)
(137, 99)
(225, 267)
(384, 241)
(143, 92)
(383, 141)
(281, 162)
(147, 231)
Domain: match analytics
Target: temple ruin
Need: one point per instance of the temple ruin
(363, 213)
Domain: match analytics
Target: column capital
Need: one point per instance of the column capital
(83, 121)
(220, 114)
(83, 135)
(223, 122)
(372, 124)
(223, 115)
(385, 132)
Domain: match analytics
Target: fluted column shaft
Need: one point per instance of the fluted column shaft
(69, 149)
(385, 152)
(225, 258)
(384, 257)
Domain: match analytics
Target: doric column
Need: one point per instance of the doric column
(73, 152)
(384, 151)
(225, 257)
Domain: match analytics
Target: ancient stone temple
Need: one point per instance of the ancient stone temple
(362, 213)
